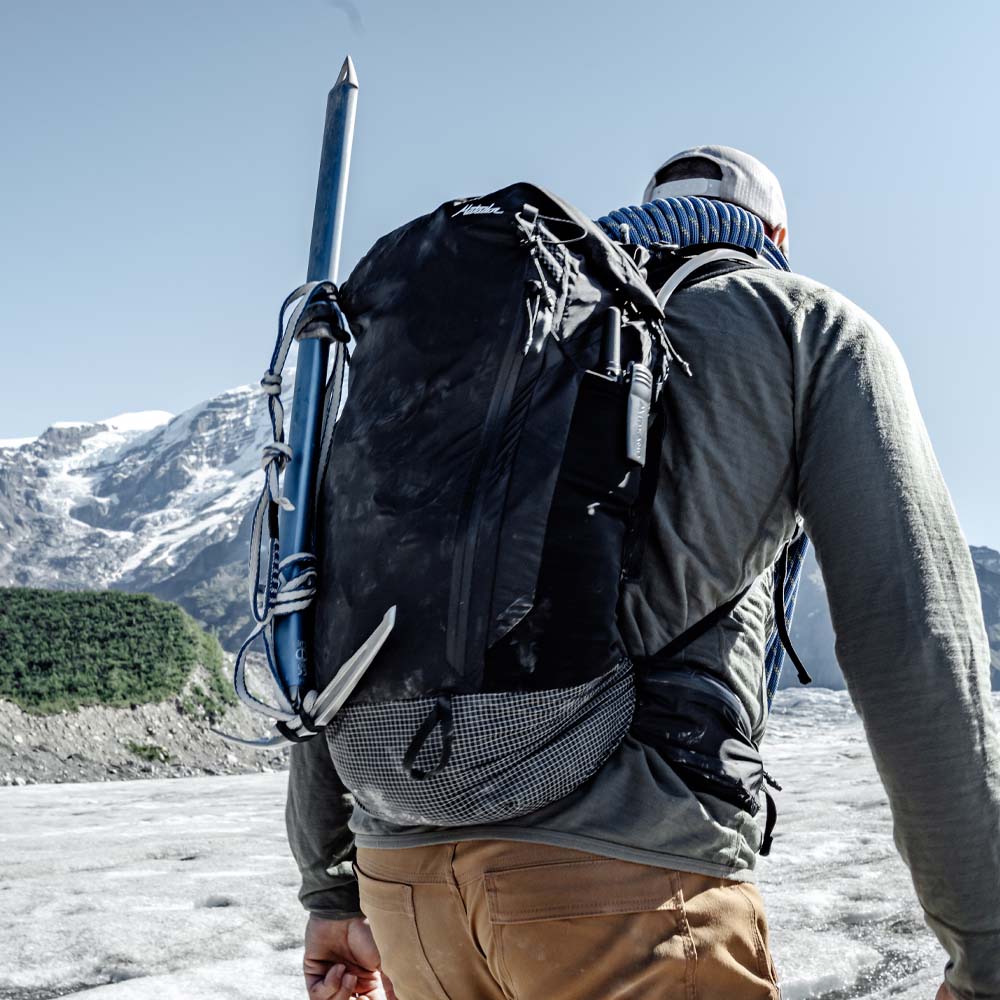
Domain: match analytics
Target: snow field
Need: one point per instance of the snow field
(185, 889)
(146, 889)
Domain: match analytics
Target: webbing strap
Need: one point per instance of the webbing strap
(770, 818)
(696, 263)
(697, 630)
(441, 713)
(780, 619)
(333, 398)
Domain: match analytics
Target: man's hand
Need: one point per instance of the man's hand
(341, 960)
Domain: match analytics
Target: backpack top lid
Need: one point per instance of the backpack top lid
(606, 261)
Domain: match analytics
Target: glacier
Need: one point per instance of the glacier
(184, 889)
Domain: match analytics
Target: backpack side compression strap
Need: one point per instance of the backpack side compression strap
(699, 628)
(696, 631)
(780, 619)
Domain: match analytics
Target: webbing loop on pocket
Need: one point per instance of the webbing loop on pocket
(441, 714)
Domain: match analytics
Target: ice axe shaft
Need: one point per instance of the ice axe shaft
(291, 632)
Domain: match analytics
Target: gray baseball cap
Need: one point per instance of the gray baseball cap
(740, 178)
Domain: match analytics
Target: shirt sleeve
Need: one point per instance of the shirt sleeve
(316, 816)
(906, 611)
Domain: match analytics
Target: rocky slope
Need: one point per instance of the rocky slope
(161, 504)
(106, 744)
(987, 563)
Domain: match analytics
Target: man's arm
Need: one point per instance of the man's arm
(316, 815)
(340, 956)
(906, 611)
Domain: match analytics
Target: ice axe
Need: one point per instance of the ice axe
(281, 598)
(295, 525)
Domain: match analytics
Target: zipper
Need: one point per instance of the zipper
(475, 498)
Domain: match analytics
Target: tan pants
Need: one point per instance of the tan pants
(501, 920)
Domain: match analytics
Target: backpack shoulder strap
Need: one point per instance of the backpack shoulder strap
(695, 263)
(714, 255)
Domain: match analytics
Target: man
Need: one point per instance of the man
(636, 884)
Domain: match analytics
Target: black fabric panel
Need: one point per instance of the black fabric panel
(434, 308)
(540, 453)
(571, 634)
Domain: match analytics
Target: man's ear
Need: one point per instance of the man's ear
(779, 237)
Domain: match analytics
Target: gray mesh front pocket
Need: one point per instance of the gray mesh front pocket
(512, 752)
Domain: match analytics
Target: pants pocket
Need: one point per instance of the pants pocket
(389, 909)
(590, 928)
(728, 929)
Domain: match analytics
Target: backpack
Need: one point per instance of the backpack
(485, 479)
(483, 495)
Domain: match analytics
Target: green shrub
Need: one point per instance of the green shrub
(66, 649)
(148, 752)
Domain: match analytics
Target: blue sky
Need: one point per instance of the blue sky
(158, 169)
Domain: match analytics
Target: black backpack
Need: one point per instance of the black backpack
(488, 479)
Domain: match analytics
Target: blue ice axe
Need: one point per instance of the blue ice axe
(286, 506)
(295, 526)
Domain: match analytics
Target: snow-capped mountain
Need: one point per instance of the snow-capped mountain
(142, 502)
(161, 504)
